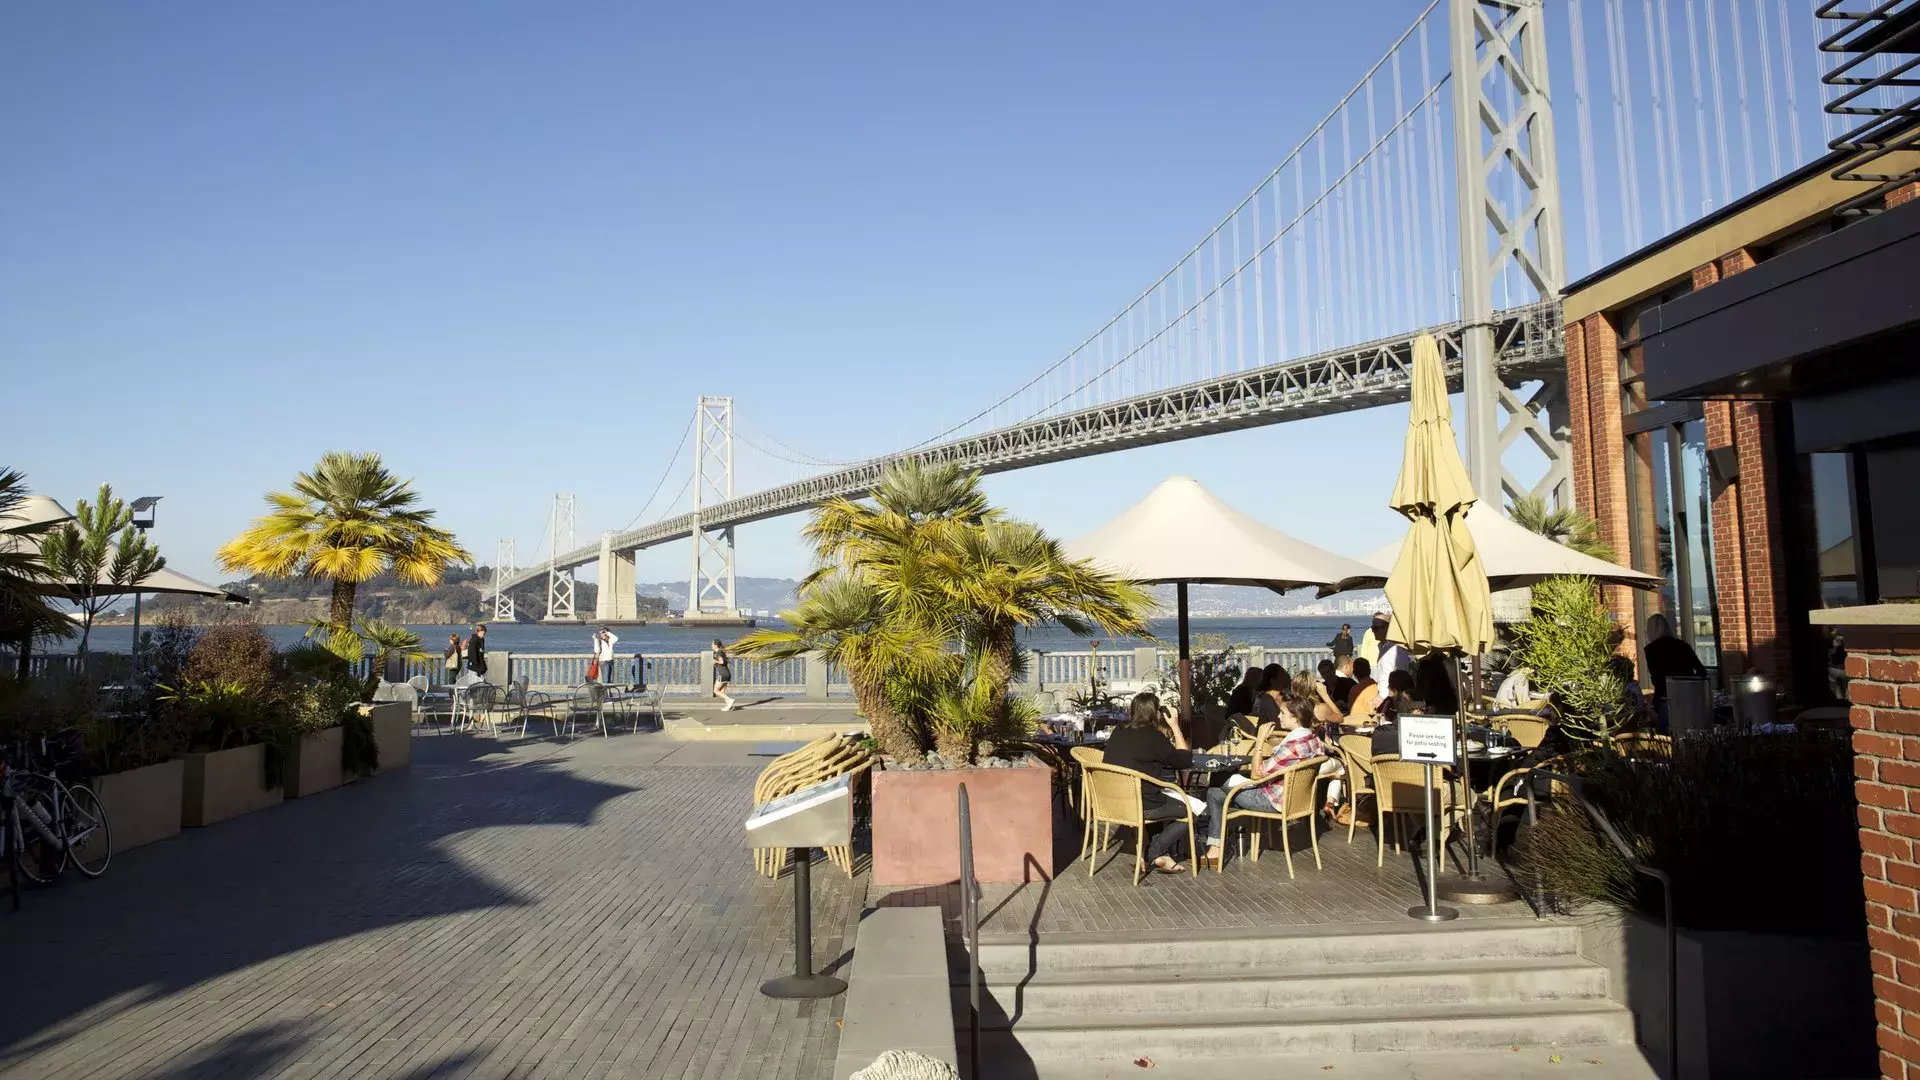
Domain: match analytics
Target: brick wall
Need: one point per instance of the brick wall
(1599, 447)
(1885, 692)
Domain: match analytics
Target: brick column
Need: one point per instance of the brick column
(1885, 691)
(1599, 446)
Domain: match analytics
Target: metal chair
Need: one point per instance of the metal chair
(595, 695)
(526, 700)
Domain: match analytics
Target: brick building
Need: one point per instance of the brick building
(1746, 423)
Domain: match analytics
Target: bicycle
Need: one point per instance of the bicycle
(49, 824)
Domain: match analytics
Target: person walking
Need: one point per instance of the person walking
(1342, 643)
(477, 651)
(450, 660)
(722, 676)
(603, 643)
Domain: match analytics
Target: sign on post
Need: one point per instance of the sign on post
(1426, 739)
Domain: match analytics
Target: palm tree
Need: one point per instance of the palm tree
(1002, 576)
(347, 521)
(1564, 526)
(98, 555)
(24, 581)
(889, 661)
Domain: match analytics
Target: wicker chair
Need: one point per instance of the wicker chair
(1527, 729)
(1357, 752)
(1117, 800)
(823, 759)
(1398, 789)
(1644, 745)
(1514, 784)
(1089, 823)
(1299, 789)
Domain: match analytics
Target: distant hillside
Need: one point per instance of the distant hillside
(280, 602)
(772, 595)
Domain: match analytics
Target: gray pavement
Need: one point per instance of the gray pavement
(580, 910)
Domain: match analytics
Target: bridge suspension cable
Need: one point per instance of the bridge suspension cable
(664, 473)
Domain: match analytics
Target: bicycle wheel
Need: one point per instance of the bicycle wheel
(85, 827)
(38, 861)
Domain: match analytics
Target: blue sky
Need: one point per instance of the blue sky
(507, 245)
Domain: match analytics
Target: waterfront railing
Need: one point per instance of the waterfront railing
(1062, 673)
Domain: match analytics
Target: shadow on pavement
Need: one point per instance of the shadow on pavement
(221, 899)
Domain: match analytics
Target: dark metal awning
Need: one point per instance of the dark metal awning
(1833, 313)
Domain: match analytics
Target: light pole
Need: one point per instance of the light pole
(142, 508)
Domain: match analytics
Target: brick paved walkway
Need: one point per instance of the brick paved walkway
(584, 911)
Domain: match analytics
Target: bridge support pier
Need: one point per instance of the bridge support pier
(615, 601)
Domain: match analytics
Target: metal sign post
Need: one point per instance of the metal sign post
(1475, 886)
(819, 816)
(1429, 741)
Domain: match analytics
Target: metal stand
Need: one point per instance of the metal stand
(803, 983)
(1431, 911)
(1473, 887)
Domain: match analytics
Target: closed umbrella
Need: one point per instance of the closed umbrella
(1438, 588)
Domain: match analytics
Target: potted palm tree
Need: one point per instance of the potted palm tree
(920, 597)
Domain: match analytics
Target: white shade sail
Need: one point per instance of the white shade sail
(1181, 532)
(34, 513)
(166, 582)
(1515, 556)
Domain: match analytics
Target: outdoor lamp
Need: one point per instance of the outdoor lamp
(142, 508)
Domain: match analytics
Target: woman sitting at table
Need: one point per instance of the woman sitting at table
(1240, 702)
(1383, 701)
(1150, 741)
(1309, 688)
(1262, 791)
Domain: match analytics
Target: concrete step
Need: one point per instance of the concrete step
(1478, 981)
(1191, 1033)
(1528, 1063)
(1008, 958)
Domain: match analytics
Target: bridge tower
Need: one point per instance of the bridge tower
(503, 569)
(1510, 232)
(710, 590)
(560, 537)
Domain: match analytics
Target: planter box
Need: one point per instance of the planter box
(142, 805)
(315, 764)
(224, 784)
(392, 732)
(916, 825)
(1750, 1004)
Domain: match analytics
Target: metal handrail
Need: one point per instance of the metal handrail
(1600, 821)
(970, 926)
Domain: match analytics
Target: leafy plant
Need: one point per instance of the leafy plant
(970, 721)
(1095, 698)
(1568, 642)
(1565, 526)
(359, 751)
(237, 653)
(1215, 672)
(347, 521)
(98, 555)
(1717, 817)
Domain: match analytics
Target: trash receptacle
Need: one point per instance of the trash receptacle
(1754, 700)
(1689, 704)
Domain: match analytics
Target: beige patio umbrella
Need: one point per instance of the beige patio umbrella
(1181, 534)
(1515, 556)
(1438, 588)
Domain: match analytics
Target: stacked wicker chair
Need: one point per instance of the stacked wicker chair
(823, 759)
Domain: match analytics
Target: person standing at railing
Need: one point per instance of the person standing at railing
(603, 643)
(450, 660)
(477, 651)
(1342, 643)
(722, 676)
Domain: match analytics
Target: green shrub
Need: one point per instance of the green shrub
(238, 655)
(1757, 832)
(1568, 643)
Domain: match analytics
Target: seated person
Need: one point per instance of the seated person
(1362, 682)
(1622, 669)
(1269, 703)
(1339, 679)
(1433, 685)
(1313, 690)
(1375, 702)
(1150, 741)
(1261, 791)
(1240, 702)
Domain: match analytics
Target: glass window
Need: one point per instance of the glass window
(1833, 530)
(1896, 520)
(1694, 524)
(1671, 510)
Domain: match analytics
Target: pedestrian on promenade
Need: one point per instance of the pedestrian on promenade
(477, 651)
(450, 659)
(603, 643)
(722, 676)
(1342, 643)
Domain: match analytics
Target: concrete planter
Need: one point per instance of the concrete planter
(1750, 1004)
(916, 838)
(225, 783)
(315, 764)
(392, 732)
(142, 805)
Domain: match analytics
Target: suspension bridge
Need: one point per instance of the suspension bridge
(1427, 201)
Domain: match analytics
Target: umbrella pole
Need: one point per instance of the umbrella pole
(1473, 887)
(1186, 662)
